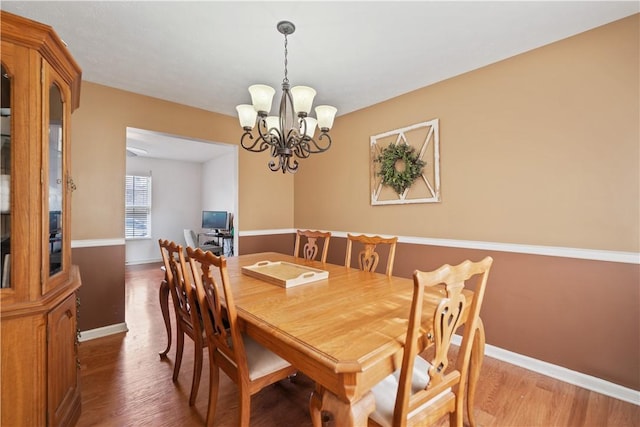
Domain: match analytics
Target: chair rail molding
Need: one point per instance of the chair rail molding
(556, 251)
(90, 243)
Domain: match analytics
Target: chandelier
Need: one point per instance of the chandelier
(292, 131)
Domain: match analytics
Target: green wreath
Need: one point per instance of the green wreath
(389, 158)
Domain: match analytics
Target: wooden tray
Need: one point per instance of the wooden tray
(284, 274)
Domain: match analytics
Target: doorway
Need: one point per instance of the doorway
(188, 176)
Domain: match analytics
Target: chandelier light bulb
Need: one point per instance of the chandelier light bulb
(273, 124)
(311, 126)
(247, 115)
(302, 98)
(325, 115)
(262, 97)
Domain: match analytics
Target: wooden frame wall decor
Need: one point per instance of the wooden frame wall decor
(396, 182)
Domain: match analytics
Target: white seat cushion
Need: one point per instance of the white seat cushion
(260, 360)
(386, 391)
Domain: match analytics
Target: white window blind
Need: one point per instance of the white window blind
(137, 217)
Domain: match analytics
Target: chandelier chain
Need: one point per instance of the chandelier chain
(286, 78)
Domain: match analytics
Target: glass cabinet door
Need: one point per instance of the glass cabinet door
(5, 183)
(56, 242)
(57, 182)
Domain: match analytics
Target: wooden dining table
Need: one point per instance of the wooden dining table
(345, 332)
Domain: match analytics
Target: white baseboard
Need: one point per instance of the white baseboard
(143, 261)
(579, 379)
(102, 332)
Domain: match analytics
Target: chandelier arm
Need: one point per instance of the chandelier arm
(302, 150)
(294, 168)
(293, 138)
(302, 124)
(313, 147)
(324, 134)
(291, 168)
(272, 137)
(284, 163)
(263, 130)
(261, 143)
(273, 166)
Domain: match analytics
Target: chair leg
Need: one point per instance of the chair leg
(214, 378)
(245, 408)
(453, 419)
(477, 355)
(197, 371)
(179, 349)
(164, 307)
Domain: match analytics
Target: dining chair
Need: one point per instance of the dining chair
(368, 257)
(187, 315)
(310, 248)
(251, 366)
(422, 392)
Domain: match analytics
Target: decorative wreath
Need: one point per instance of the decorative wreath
(391, 176)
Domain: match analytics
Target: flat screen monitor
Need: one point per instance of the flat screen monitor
(215, 220)
(55, 222)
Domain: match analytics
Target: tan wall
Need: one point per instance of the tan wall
(539, 149)
(98, 137)
(98, 160)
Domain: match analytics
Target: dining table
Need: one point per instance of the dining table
(346, 331)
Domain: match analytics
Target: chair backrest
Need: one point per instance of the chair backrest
(368, 257)
(220, 321)
(190, 237)
(446, 320)
(184, 297)
(310, 248)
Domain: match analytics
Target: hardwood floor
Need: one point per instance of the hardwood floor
(124, 383)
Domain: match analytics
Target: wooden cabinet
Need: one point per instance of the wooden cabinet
(38, 306)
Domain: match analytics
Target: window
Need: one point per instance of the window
(137, 217)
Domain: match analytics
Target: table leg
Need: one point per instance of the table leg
(477, 356)
(348, 414)
(164, 306)
(315, 406)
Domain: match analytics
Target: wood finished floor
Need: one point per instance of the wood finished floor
(124, 383)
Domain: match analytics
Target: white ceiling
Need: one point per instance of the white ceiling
(146, 143)
(354, 53)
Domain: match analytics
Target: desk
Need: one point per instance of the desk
(222, 239)
(346, 332)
